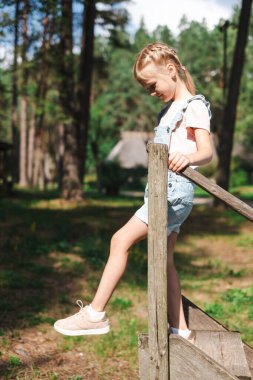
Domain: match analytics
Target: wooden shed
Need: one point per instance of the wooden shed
(131, 151)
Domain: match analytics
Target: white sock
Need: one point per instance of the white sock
(95, 315)
(184, 333)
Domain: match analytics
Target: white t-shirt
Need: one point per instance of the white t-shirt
(183, 137)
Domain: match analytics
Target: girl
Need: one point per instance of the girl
(184, 124)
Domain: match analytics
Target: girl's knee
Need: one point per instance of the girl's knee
(118, 241)
(128, 235)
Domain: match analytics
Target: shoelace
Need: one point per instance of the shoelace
(80, 304)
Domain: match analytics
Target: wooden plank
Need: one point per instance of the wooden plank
(187, 361)
(249, 356)
(197, 319)
(230, 200)
(143, 357)
(225, 348)
(157, 262)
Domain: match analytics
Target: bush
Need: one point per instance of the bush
(239, 175)
(112, 177)
(209, 170)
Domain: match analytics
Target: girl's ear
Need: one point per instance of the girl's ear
(171, 69)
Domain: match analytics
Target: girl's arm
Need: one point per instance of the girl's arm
(178, 161)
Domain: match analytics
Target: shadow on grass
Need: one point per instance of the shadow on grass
(47, 248)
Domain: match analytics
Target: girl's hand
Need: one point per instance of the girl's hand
(178, 161)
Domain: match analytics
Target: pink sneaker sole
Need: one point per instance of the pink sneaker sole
(101, 331)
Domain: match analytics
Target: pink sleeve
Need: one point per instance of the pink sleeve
(196, 116)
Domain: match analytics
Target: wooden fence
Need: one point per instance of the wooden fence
(154, 349)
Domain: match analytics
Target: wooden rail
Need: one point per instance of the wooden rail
(230, 200)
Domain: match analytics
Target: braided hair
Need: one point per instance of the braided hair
(161, 54)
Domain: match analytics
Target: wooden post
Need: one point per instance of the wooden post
(157, 262)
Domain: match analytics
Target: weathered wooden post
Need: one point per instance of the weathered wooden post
(212, 354)
(157, 365)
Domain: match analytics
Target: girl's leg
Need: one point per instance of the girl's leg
(175, 306)
(133, 231)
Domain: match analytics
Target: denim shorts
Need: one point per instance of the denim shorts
(180, 201)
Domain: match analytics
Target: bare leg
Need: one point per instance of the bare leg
(133, 231)
(175, 306)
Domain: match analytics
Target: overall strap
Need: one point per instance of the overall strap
(164, 133)
(163, 112)
(180, 113)
(185, 105)
(203, 99)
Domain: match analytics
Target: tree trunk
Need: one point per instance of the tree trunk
(60, 155)
(71, 183)
(23, 144)
(42, 80)
(14, 116)
(31, 139)
(38, 162)
(85, 80)
(23, 121)
(225, 135)
(47, 169)
(95, 151)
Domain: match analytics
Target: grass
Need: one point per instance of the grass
(236, 307)
(53, 252)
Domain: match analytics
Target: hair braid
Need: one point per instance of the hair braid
(160, 54)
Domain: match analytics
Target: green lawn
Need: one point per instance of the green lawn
(53, 252)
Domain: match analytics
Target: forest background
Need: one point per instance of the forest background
(67, 93)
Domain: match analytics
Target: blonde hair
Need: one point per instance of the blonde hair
(160, 54)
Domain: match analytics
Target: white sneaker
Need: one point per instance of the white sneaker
(81, 324)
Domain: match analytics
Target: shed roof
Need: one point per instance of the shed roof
(131, 150)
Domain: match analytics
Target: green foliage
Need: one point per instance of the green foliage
(163, 34)
(239, 175)
(201, 52)
(117, 101)
(5, 117)
(250, 315)
(54, 376)
(238, 178)
(245, 241)
(214, 310)
(237, 297)
(120, 303)
(14, 361)
(112, 177)
(208, 170)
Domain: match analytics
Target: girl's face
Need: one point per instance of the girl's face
(159, 81)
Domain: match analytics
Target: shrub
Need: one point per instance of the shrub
(239, 175)
(112, 177)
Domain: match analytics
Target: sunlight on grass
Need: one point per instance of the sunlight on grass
(234, 308)
(53, 252)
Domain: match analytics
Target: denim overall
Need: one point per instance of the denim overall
(180, 192)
